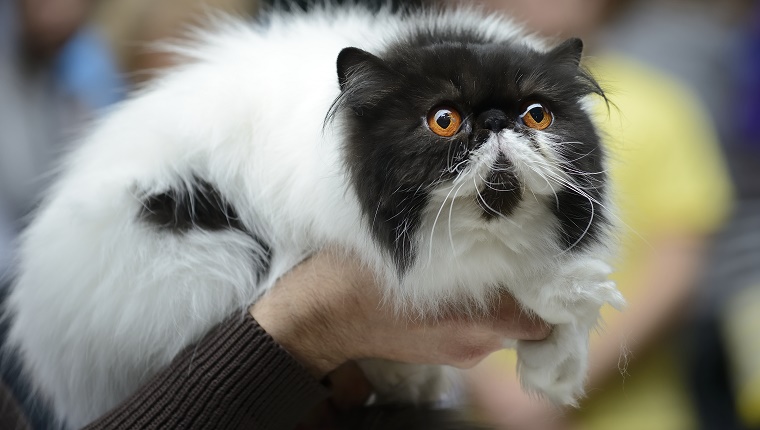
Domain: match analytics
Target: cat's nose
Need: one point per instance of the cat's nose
(494, 120)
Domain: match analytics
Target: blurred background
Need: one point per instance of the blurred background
(683, 131)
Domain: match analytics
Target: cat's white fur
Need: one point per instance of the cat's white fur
(103, 300)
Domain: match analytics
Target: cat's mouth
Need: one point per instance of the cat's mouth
(501, 171)
(517, 163)
(501, 191)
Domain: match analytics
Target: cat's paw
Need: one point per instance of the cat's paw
(575, 295)
(555, 367)
(406, 383)
(586, 298)
(607, 292)
(589, 282)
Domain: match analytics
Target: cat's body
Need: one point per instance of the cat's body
(188, 202)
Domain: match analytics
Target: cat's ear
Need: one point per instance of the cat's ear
(568, 52)
(351, 60)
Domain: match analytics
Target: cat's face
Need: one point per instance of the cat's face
(491, 122)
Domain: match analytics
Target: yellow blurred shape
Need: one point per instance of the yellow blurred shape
(741, 329)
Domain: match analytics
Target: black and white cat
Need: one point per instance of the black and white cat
(451, 151)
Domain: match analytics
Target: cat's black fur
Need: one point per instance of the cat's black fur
(198, 204)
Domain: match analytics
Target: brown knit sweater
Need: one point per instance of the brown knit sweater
(235, 377)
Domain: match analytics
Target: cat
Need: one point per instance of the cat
(448, 149)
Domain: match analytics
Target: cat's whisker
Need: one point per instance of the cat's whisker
(585, 232)
(542, 176)
(377, 210)
(577, 172)
(435, 221)
(592, 202)
(608, 212)
(573, 187)
(451, 236)
(581, 157)
(455, 169)
(568, 179)
(401, 234)
(492, 185)
(493, 211)
(568, 147)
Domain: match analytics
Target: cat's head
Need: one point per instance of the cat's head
(492, 122)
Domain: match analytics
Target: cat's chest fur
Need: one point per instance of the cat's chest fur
(461, 258)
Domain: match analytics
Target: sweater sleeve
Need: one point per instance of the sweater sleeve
(237, 376)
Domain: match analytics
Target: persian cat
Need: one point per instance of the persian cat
(450, 151)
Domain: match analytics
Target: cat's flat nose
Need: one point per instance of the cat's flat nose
(494, 120)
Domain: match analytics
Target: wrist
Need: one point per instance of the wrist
(317, 312)
(299, 338)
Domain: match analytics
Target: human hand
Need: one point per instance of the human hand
(328, 311)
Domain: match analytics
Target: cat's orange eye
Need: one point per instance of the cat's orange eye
(536, 116)
(444, 121)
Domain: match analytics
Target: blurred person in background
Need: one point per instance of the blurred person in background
(673, 193)
(724, 346)
(133, 27)
(715, 49)
(55, 74)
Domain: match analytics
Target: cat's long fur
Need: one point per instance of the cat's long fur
(188, 201)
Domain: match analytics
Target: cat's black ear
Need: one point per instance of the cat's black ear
(569, 51)
(352, 59)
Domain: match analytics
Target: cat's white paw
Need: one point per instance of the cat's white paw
(555, 367)
(406, 383)
(575, 295)
(586, 283)
(587, 298)
(607, 292)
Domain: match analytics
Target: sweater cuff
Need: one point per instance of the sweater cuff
(292, 390)
(237, 376)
